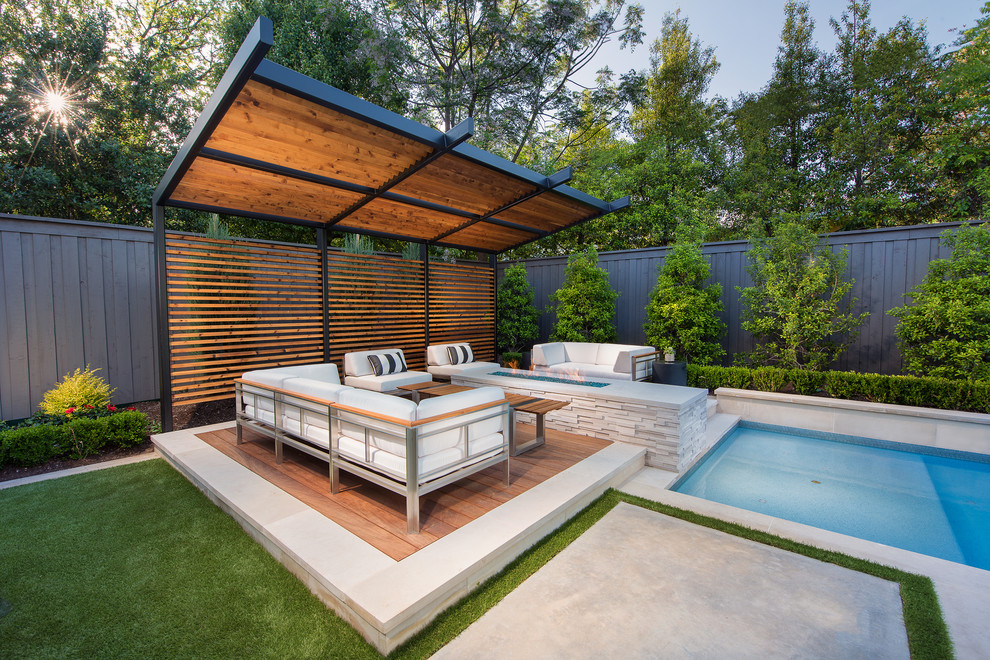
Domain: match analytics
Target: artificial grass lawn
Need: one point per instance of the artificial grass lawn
(134, 561)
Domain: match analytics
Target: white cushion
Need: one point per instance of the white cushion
(269, 377)
(327, 391)
(581, 369)
(434, 465)
(437, 355)
(607, 354)
(549, 354)
(623, 362)
(457, 369)
(381, 433)
(447, 433)
(580, 351)
(326, 372)
(356, 364)
(387, 383)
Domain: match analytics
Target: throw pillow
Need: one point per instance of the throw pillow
(460, 354)
(384, 364)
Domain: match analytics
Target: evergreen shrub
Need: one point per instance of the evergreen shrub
(585, 304)
(682, 313)
(517, 328)
(34, 443)
(946, 332)
(78, 389)
(923, 391)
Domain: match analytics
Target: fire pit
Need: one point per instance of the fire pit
(668, 421)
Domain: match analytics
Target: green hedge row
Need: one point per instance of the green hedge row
(36, 444)
(968, 395)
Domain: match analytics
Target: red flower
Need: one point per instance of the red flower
(132, 408)
(86, 405)
(112, 408)
(69, 411)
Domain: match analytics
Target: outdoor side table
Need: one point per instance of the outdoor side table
(670, 373)
(535, 406)
(415, 388)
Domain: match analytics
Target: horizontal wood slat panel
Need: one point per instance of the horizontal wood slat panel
(462, 307)
(238, 305)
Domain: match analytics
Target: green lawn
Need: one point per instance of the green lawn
(135, 562)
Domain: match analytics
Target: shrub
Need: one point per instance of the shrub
(509, 358)
(929, 392)
(681, 312)
(76, 390)
(127, 429)
(794, 307)
(946, 332)
(86, 437)
(585, 304)
(30, 445)
(517, 329)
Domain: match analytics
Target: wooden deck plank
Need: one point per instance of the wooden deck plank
(377, 515)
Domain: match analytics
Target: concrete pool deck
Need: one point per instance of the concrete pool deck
(640, 584)
(963, 591)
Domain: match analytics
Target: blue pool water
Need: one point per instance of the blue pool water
(933, 504)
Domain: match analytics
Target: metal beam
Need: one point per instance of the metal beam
(251, 53)
(451, 139)
(321, 245)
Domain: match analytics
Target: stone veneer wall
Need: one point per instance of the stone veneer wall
(672, 436)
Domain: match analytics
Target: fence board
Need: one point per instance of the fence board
(885, 263)
(66, 288)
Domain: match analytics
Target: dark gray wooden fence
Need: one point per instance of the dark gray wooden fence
(71, 294)
(77, 293)
(885, 264)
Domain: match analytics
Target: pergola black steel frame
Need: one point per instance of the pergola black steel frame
(250, 64)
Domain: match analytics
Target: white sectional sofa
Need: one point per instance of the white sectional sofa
(359, 372)
(408, 448)
(616, 361)
(439, 363)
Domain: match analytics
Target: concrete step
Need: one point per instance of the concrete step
(719, 425)
(712, 406)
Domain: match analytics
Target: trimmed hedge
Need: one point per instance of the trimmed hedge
(967, 395)
(35, 444)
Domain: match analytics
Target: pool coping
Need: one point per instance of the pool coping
(932, 427)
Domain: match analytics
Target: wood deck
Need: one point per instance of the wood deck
(379, 516)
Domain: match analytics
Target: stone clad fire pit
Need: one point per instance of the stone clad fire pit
(668, 421)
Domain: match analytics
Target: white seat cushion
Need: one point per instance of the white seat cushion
(316, 388)
(455, 369)
(387, 383)
(452, 432)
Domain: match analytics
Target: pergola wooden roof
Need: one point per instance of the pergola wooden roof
(278, 145)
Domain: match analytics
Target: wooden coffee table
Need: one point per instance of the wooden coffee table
(415, 388)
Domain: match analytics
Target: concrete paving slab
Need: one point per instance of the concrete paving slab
(640, 584)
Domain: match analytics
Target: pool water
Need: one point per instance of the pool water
(930, 502)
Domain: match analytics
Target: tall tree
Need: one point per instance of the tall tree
(778, 130)
(327, 40)
(880, 108)
(511, 64)
(961, 148)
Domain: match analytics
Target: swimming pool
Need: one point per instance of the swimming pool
(926, 500)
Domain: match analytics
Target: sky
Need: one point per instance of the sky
(746, 33)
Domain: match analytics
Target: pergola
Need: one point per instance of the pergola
(277, 145)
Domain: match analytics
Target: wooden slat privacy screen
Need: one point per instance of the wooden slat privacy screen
(234, 306)
(376, 302)
(238, 305)
(462, 307)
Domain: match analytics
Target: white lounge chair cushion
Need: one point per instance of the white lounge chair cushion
(584, 352)
(577, 370)
(438, 436)
(315, 388)
(387, 383)
(455, 369)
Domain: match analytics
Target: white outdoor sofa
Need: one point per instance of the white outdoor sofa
(440, 364)
(586, 359)
(359, 371)
(407, 448)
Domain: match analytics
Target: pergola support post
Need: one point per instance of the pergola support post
(321, 244)
(164, 345)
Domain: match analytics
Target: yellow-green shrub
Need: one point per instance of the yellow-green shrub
(76, 390)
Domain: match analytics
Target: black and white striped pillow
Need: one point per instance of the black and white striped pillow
(384, 364)
(460, 354)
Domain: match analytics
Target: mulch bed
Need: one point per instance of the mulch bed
(184, 417)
